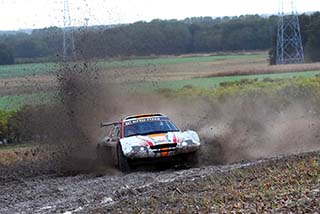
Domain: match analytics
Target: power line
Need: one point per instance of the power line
(68, 32)
(289, 42)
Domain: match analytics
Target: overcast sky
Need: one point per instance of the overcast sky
(25, 14)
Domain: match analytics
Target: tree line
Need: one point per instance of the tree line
(191, 35)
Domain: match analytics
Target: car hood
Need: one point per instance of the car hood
(163, 138)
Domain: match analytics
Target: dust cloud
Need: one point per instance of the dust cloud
(247, 129)
(231, 130)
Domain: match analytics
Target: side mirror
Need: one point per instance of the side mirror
(115, 138)
(106, 139)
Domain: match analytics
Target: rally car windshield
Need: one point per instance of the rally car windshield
(149, 127)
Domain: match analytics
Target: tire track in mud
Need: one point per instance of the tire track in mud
(85, 193)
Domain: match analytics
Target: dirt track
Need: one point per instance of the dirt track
(83, 193)
(125, 193)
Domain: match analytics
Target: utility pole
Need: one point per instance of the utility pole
(289, 43)
(66, 29)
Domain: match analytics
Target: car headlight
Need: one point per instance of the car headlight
(194, 136)
(138, 148)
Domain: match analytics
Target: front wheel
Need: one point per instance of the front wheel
(193, 159)
(123, 162)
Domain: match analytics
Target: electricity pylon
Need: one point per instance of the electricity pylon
(289, 43)
(67, 29)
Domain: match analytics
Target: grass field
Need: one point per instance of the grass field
(18, 101)
(212, 82)
(10, 103)
(20, 83)
(23, 70)
(175, 60)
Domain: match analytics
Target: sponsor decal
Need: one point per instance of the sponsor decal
(164, 152)
(143, 120)
(174, 139)
(146, 141)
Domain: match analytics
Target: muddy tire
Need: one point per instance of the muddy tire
(123, 162)
(102, 155)
(193, 159)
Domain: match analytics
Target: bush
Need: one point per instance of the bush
(280, 89)
(4, 124)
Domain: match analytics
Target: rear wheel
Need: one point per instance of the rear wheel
(103, 155)
(123, 162)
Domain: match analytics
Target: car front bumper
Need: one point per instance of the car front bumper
(160, 150)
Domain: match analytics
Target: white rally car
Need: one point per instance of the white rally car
(147, 138)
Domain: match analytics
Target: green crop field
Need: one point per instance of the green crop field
(212, 82)
(174, 60)
(10, 103)
(16, 102)
(24, 70)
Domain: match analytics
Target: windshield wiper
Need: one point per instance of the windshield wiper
(152, 132)
(158, 132)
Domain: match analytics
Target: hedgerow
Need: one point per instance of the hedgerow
(5, 117)
(293, 87)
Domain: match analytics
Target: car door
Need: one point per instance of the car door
(114, 139)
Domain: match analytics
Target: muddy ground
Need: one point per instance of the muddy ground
(258, 186)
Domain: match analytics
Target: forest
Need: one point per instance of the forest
(159, 37)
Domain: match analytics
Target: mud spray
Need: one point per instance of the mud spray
(231, 130)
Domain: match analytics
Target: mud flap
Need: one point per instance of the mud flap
(123, 162)
(192, 159)
(104, 155)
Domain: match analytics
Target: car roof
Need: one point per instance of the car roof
(140, 116)
(133, 117)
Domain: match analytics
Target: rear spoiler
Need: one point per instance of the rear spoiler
(109, 124)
